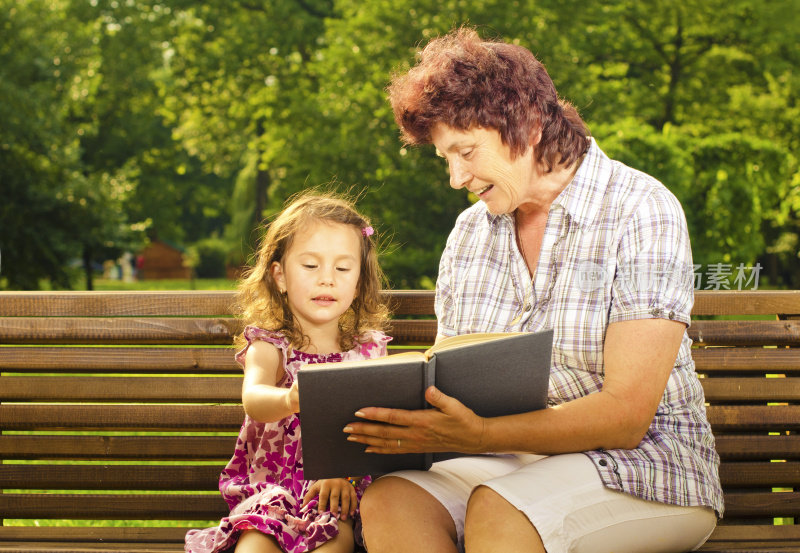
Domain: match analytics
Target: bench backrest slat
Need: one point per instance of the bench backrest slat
(114, 506)
(111, 477)
(225, 389)
(113, 448)
(196, 418)
(163, 360)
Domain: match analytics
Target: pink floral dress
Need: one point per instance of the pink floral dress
(263, 482)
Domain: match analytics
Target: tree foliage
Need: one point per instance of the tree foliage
(193, 121)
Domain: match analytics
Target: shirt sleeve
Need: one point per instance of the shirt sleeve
(655, 276)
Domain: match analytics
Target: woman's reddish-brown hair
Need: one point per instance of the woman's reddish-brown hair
(463, 81)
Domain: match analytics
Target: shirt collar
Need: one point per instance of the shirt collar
(583, 196)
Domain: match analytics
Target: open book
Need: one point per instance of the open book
(493, 374)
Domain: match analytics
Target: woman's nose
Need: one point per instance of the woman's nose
(459, 176)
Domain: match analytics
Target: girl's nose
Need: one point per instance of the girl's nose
(326, 276)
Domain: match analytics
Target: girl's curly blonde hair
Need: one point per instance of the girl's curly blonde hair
(258, 299)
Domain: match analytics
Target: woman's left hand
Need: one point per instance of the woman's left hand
(450, 426)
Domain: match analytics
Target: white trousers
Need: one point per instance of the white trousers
(568, 504)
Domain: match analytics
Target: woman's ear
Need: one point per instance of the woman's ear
(536, 136)
(276, 270)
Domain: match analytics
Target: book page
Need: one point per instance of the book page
(464, 339)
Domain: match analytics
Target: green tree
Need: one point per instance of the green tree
(45, 77)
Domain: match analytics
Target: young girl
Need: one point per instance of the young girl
(313, 296)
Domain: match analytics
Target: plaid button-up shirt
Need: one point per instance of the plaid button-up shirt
(615, 248)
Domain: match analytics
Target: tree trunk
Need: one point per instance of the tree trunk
(262, 186)
(87, 266)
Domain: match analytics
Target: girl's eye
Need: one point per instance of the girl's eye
(309, 266)
(343, 269)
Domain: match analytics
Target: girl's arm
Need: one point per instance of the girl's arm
(263, 400)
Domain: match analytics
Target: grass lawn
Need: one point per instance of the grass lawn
(166, 284)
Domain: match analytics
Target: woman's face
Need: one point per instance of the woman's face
(480, 162)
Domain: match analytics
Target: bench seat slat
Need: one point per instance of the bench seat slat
(729, 447)
(756, 359)
(134, 389)
(118, 534)
(158, 330)
(118, 448)
(228, 389)
(110, 477)
(220, 360)
(724, 536)
(35, 546)
(745, 333)
(114, 506)
(159, 303)
(753, 538)
(207, 418)
(761, 504)
(195, 507)
(749, 447)
(751, 390)
(765, 474)
(202, 478)
(214, 302)
(80, 330)
(116, 304)
(730, 418)
(168, 360)
(745, 302)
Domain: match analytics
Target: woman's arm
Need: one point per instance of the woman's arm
(639, 356)
(263, 401)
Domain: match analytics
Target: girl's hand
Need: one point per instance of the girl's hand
(336, 494)
(293, 398)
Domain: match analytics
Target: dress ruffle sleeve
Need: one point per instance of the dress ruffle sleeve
(373, 344)
(255, 334)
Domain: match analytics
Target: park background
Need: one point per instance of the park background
(125, 123)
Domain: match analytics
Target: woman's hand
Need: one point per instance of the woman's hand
(335, 494)
(450, 426)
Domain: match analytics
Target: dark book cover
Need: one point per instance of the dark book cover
(492, 374)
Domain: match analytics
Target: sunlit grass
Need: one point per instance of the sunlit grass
(165, 284)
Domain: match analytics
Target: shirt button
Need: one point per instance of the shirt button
(527, 308)
(671, 314)
(602, 462)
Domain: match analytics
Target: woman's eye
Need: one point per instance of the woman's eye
(467, 154)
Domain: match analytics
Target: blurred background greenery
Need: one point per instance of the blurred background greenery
(129, 122)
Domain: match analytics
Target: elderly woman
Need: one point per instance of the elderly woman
(565, 238)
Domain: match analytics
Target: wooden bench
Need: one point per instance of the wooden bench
(124, 406)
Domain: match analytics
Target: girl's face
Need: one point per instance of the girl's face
(479, 161)
(320, 274)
